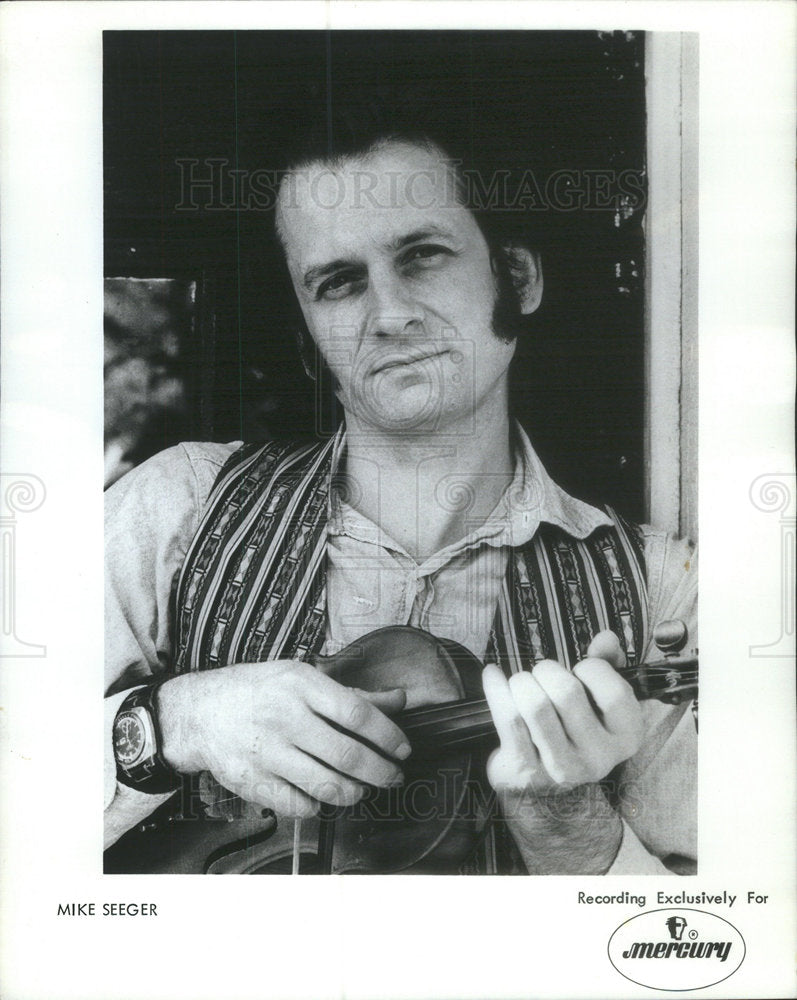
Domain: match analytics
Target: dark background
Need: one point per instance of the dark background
(544, 101)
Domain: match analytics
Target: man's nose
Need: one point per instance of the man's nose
(392, 309)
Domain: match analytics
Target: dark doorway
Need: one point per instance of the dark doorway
(190, 122)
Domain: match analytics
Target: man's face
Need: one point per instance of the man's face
(395, 281)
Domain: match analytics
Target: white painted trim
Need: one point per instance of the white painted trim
(688, 524)
(671, 282)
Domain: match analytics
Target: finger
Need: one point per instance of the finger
(512, 730)
(347, 755)
(606, 646)
(548, 736)
(389, 702)
(569, 699)
(351, 711)
(509, 776)
(614, 698)
(313, 777)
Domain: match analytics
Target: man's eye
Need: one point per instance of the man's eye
(333, 287)
(428, 253)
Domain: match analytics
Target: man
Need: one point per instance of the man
(442, 518)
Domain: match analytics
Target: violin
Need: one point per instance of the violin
(431, 823)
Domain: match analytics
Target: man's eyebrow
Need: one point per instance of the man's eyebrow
(417, 235)
(322, 270)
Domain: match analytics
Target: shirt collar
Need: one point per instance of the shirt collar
(533, 498)
(530, 499)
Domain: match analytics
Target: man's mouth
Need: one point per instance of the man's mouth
(406, 359)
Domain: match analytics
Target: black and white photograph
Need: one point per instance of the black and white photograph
(388, 368)
(386, 265)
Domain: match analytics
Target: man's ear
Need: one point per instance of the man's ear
(525, 269)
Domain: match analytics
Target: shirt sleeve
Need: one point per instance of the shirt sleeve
(151, 515)
(656, 790)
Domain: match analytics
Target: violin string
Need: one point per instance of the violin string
(450, 711)
(445, 711)
(472, 716)
(648, 668)
(477, 714)
(454, 714)
(658, 668)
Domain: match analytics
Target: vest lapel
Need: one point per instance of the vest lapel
(560, 591)
(252, 586)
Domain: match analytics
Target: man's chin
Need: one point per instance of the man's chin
(411, 410)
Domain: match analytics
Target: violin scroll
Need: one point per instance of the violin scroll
(670, 636)
(672, 679)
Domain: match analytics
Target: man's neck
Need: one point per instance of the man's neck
(428, 491)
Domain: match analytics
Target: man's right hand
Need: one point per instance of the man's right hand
(282, 734)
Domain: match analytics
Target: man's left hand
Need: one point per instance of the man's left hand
(562, 732)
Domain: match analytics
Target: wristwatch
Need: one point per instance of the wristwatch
(137, 744)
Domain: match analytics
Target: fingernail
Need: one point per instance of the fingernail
(403, 751)
(398, 780)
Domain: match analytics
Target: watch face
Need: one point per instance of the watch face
(128, 737)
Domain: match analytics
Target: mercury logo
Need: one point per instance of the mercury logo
(675, 925)
(676, 949)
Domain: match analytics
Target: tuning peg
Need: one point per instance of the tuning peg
(670, 636)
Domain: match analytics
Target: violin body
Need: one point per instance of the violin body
(426, 825)
(429, 824)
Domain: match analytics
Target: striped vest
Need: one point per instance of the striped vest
(252, 586)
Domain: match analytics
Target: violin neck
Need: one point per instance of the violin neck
(452, 725)
(462, 725)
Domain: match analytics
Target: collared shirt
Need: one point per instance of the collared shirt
(153, 513)
(373, 581)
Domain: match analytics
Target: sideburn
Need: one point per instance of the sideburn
(507, 319)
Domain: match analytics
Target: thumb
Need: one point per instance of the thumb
(606, 646)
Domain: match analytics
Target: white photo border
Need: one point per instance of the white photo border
(398, 937)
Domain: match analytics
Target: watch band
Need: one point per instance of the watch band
(151, 773)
